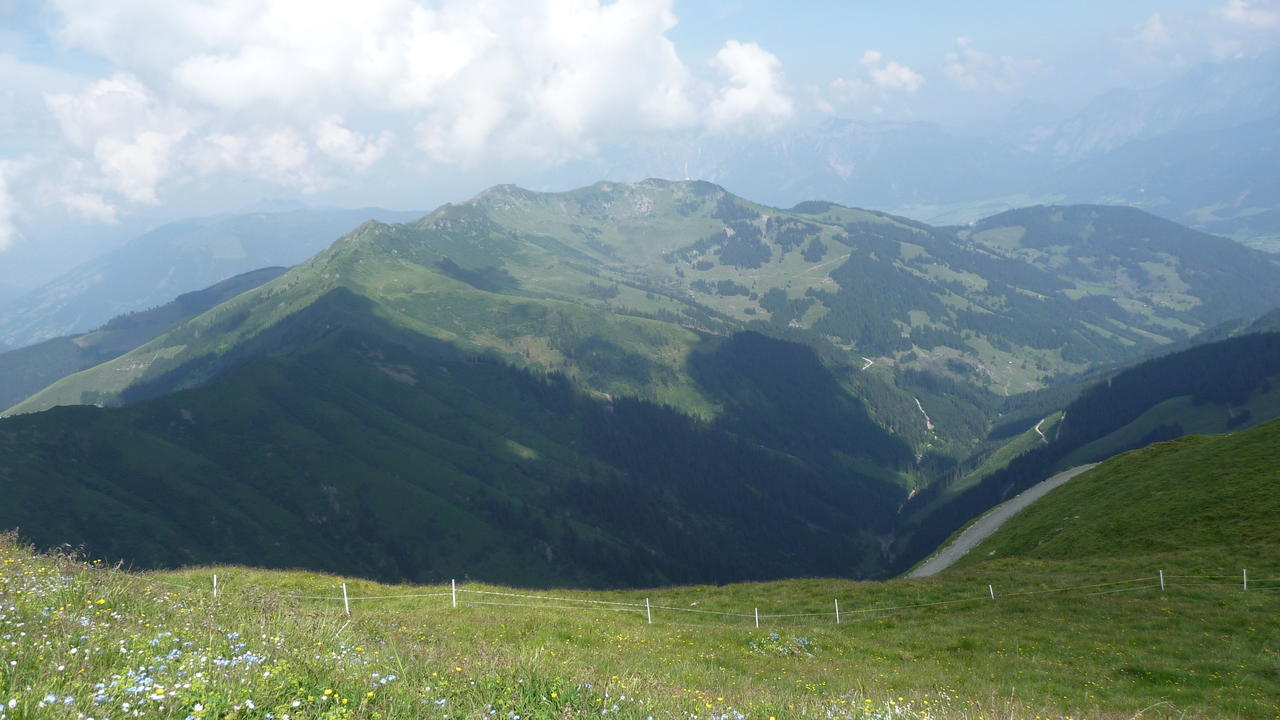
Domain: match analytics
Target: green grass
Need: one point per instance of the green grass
(1195, 492)
(102, 638)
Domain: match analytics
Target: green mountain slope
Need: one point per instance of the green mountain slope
(1195, 494)
(356, 454)
(1007, 304)
(1214, 388)
(675, 297)
(27, 370)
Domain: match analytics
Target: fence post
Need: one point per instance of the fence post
(837, 611)
(992, 590)
(1161, 581)
(346, 604)
(453, 590)
(757, 618)
(215, 585)
(1246, 579)
(648, 611)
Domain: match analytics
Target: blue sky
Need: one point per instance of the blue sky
(116, 115)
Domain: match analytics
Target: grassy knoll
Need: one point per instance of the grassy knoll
(1198, 492)
(80, 640)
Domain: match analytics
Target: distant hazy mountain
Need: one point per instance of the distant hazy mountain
(1211, 97)
(28, 369)
(1222, 180)
(1198, 149)
(856, 163)
(171, 260)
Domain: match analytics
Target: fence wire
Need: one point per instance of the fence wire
(847, 614)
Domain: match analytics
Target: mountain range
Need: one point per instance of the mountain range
(1196, 149)
(1007, 303)
(492, 388)
(168, 261)
(26, 370)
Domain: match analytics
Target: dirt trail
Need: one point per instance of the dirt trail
(991, 522)
(1043, 439)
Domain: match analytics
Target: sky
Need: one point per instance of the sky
(123, 114)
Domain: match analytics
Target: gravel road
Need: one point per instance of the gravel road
(991, 522)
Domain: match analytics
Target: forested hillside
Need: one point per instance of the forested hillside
(659, 345)
(1214, 388)
(357, 454)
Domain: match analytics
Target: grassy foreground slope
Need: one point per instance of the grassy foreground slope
(84, 640)
(1196, 494)
(1066, 621)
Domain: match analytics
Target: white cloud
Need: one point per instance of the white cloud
(1236, 29)
(891, 75)
(283, 155)
(91, 206)
(8, 211)
(311, 93)
(1153, 34)
(129, 134)
(972, 69)
(754, 93)
(109, 107)
(350, 148)
(545, 78)
(1254, 15)
(879, 89)
(278, 154)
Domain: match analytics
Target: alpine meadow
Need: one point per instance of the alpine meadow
(821, 362)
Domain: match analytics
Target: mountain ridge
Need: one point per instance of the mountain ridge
(175, 258)
(615, 284)
(26, 370)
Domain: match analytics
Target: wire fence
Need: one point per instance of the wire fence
(458, 596)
